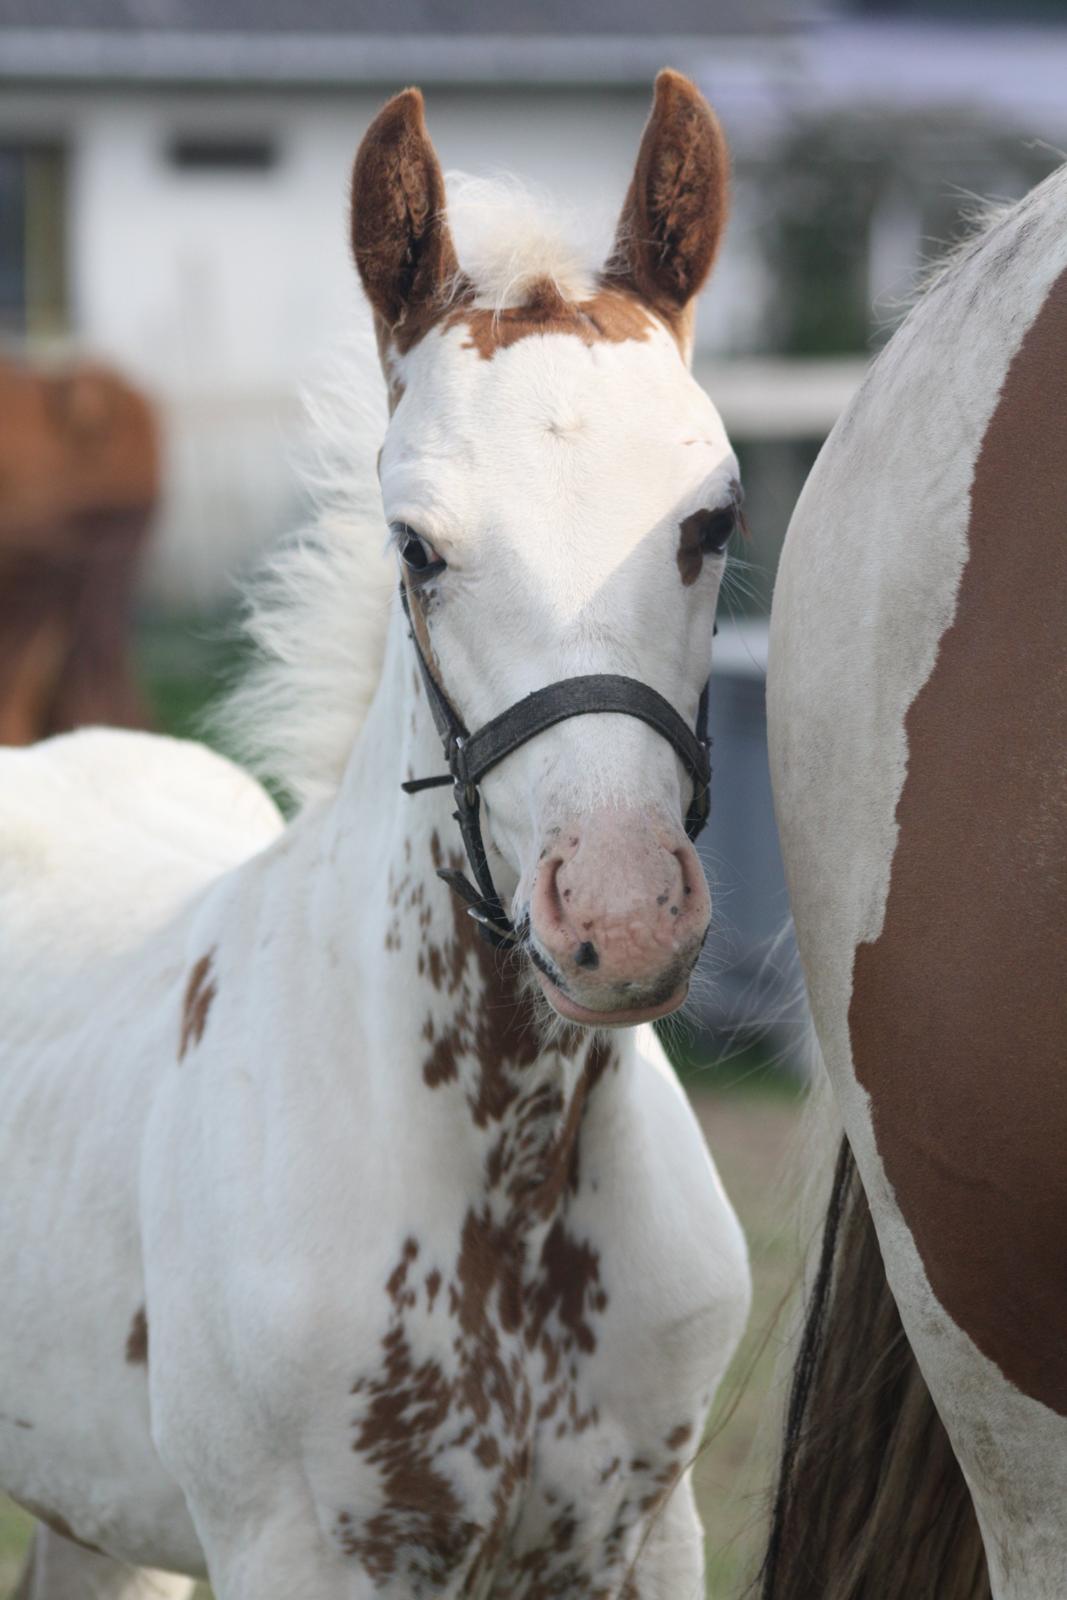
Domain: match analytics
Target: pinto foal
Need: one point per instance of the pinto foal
(342, 1255)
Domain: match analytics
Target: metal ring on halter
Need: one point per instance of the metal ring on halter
(471, 755)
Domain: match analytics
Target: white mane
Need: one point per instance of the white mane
(319, 610)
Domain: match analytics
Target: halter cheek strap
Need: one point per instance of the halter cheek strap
(471, 755)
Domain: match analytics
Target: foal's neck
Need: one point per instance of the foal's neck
(460, 1020)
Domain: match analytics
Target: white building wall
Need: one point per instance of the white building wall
(224, 293)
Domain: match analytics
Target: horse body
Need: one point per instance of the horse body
(79, 480)
(402, 1285)
(917, 720)
(367, 1277)
(140, 825)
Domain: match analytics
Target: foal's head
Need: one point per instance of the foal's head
(561, 493)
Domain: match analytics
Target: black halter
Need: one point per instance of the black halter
(471, 755)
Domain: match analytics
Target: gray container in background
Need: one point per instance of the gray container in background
(746, 982)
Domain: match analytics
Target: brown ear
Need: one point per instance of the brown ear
(676, 208)
(400, 237)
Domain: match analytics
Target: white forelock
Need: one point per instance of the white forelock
(510, 236)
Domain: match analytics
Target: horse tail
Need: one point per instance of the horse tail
(870, 1502)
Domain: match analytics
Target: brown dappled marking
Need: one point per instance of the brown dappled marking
(516, 1302)
(137, 1339)
(200, 991)
(958, 1015)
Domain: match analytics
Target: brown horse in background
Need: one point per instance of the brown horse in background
(79, 480)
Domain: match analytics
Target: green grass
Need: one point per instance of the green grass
(751, 1133)
(183, 665)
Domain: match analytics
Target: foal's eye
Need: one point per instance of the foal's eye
(716, 528)
(418, 554)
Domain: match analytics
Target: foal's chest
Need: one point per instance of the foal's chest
(490, 1462)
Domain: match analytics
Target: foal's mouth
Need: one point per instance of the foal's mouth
(664, 999)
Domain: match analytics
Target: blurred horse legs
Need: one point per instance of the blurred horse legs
(58, 1569)
(97, 683)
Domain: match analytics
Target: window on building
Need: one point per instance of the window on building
(222, 153)
(33, 240)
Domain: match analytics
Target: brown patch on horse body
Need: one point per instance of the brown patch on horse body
(200, 991)
(137, 1339)
(958, 1015)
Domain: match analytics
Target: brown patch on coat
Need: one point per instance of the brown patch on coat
(958, 1015)
(675, 211)
(491, 1022)
(137, 1339)
(200, 991)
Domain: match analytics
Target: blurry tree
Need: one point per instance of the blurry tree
(830, 183)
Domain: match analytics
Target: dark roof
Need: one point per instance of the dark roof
(381, 42)
(519, 18)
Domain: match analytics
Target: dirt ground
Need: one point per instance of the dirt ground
(749, 1133)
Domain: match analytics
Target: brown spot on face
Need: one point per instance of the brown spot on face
(611, 316)
(679, 1436)
(137, 1339)
(958, 1016)
(200, 991)
(705, 533)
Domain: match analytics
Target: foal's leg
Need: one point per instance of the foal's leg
(670, 1565)
(58, 1569)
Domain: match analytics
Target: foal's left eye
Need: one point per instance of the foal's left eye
(418, 554)
(716, 528)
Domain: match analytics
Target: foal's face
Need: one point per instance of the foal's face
(560, 493)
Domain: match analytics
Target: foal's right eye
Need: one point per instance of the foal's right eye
(418, 554)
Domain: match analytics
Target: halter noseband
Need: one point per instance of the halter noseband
(471, 755)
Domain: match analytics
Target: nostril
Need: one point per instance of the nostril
(586, 955)
(691, 873)
(549, 886)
